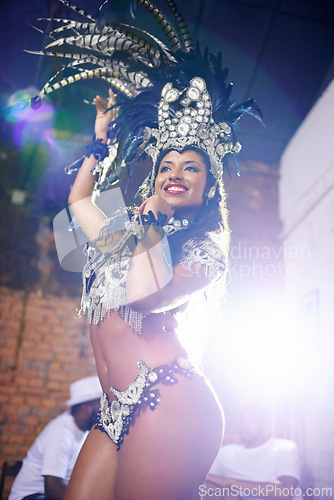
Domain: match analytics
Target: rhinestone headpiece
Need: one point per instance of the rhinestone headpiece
(191, 124)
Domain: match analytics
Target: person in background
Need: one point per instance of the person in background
(47, 467)
(260, 466)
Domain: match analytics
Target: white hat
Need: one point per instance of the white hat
(83, 390)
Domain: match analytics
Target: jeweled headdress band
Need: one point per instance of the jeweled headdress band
(191, 125)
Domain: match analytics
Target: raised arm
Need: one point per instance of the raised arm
(88, 215)
(152, 283)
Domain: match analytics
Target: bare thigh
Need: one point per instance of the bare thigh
(169, 451)
(165, 456)
(94, 474)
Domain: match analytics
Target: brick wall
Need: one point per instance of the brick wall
(43, 348)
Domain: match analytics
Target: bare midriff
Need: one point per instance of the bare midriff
(117, 348)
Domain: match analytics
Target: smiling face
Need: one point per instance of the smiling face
(181, 181)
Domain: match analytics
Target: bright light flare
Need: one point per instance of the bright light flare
(264, 348)
(18, 108)
(197, 325)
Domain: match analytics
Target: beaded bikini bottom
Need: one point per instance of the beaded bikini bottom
(114, 418)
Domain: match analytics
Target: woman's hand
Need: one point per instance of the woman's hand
(150, 268)
(104, 117)
(156, 204)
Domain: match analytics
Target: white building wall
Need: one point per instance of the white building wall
(306, 194)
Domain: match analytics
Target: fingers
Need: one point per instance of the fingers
(112, 96)
(112, 102)
(141, 208)
(103, 105)
(100, 103)
(156, 204)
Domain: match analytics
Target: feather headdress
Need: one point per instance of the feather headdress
(169, 94)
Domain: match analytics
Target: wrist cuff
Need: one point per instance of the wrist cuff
(99, 149)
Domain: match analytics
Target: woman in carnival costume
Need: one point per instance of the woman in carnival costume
(160, 424)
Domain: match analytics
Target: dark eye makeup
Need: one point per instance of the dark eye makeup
(192, 168)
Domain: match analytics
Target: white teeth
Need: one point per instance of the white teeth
(176, 189)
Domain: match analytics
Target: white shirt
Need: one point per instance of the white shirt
(262, 464)
(53, 453)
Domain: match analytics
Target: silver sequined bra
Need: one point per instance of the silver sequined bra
(104, 276)
(115, 417)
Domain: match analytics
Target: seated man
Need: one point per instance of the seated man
(259, 467)
(47, 467)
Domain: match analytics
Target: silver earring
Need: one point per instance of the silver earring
(211, 192)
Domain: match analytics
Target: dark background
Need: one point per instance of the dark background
(279, 51)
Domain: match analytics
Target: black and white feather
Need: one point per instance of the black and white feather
(137, 64)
